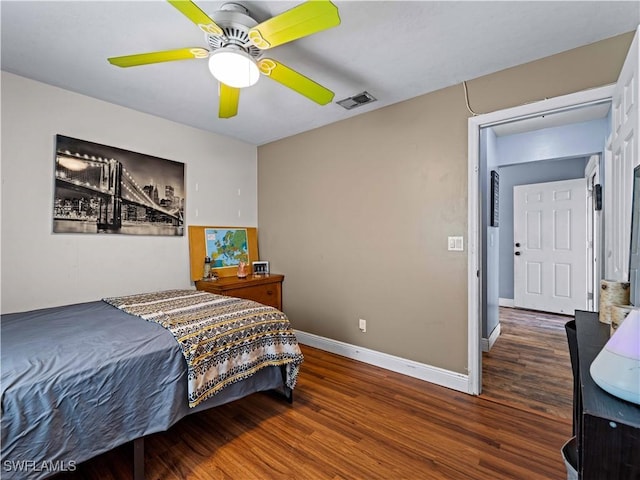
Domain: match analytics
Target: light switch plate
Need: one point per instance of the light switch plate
(455, 244)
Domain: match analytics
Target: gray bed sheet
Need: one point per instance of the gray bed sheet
(79, 380)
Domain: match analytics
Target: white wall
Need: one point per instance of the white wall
(41, 269)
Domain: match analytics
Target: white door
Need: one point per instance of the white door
(622, 156)
(550, 246)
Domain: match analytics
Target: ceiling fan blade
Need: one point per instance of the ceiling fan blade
(295, 81)
(305, 19)
(197, 16)
(229, 99)
(158, 57)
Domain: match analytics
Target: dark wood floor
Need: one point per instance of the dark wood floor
(529, 365)
(350, 420)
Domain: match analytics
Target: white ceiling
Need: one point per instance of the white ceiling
(395, 50)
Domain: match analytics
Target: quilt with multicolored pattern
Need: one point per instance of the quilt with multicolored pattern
(223, 339)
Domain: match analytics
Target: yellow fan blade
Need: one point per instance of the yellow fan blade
(158, 57)
(295, 81)
(229, 99)
(197, 16)
(305, 19)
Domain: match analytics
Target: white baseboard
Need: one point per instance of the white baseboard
(486, 344)
(506, 302)
(439, 376)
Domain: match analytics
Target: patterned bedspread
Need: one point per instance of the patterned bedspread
(223, 339)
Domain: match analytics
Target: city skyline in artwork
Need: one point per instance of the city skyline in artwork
(102, 189)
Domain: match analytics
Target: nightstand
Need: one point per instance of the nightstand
(266, 289)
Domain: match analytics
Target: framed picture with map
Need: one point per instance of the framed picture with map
(225, 247)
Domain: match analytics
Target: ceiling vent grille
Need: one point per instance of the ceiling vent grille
(356, 100)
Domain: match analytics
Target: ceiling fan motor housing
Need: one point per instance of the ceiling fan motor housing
(235, 22)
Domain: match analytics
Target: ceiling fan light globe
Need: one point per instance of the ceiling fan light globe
(234, 68)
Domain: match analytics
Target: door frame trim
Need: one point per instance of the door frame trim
(594, 233)
(475, 124)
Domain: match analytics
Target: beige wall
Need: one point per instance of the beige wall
(356, 214)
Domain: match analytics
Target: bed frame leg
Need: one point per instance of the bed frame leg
(138, 459)
(288, 392)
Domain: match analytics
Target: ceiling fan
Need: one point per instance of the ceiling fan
(237, 42)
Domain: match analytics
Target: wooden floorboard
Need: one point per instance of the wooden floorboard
(529, 365)
(349, 420)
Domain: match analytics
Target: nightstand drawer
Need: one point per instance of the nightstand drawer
(263, 289)
(269, 294)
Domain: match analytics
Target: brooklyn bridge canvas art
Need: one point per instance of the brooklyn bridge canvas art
(102, 189)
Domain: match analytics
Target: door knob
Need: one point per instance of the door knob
(518, 244)
(518, 253)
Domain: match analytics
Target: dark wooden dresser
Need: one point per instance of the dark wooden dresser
(607, 428)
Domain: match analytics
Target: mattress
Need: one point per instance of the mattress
(79, 380)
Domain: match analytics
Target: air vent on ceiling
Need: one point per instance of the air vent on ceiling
(356, 100)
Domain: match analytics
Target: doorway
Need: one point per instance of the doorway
(528, 365)
(622, 154)
(475, 257)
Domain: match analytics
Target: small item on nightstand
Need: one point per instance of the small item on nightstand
(207, 268)
(243, 270)
(260, 268)
(612, 293)
(618, 313)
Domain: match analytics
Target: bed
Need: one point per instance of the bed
(80, 380)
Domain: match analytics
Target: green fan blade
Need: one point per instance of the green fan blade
(295, 81)
(158, 57)
(229, 99)
(197, 16)
(305, 19)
